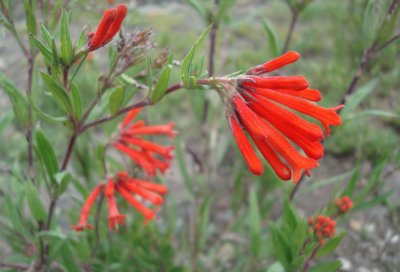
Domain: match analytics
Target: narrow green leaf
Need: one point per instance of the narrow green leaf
(374, 17)
(116, 99)
(46, 52)
(223, 9)
(202, 10)
(182, 164)
(272, 40)
(376, 113)
(46, 36)
(45, 116)
(355, 99)
(289, 215)
(351, 185)
(18, 102)
(58, 92)
(373, 202)
(65, 39)
(34, 203)
(281, 247)
(46, 153)
(76, 100)
(62, 179)
(276, 267)
(189, 58)
(55, 63)
(162, 84)
(30, 7)
(331, 266)
(255, 223)
(327, 181)
(204, 219)
(80, 43)
(330, 246)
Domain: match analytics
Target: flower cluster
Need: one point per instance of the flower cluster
(129, 188)
(269, 108)
(148, 155)
(344, 204)
(109, 25)
(322, 227)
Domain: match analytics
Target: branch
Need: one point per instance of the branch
(293, 22)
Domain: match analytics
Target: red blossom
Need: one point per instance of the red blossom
(269, 109)
(148, 155)
(344, 204)
(109, 25)
(133, 190)
(87, 206)
(323, 227)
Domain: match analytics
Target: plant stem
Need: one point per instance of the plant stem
(211, 61)
(68, 153)
(310, 258)
(96, 224)
(293, 22)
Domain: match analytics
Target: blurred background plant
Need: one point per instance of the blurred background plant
(217, 216)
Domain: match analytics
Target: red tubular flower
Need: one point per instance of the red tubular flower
(253, 162)
(128, 188)
(268, 109)
(275, 64)
(323, 227)
(344, 204)
(148, 155)
(83, 219)
(109, 25)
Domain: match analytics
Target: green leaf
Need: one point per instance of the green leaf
(331, 266)
(189, 58)
(276, 267)
(81, 40)
(327, 181)
(373, 202)
(46, 36)
(255, 223)
(65, 39)
(272, 40)
(116, 99)
(18, 102)
(45, 116)
(376, 113)
(202, 10)
(289, 215)
(35, 204)
(46, 52)
(182, 164)
(149, 74)
(162, 84)
(76, 101)
(204, 218)
(374, 17)
(46, 153)
(355, 99)
(223, 9)
(55, 63)
(30, 7)
(330, 246)
(62, 179)
(281, 247)
(58, 92)
(196, 100)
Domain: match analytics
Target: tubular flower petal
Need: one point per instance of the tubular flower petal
(154, 198)
(109, 25)
(148, 155)
(250, 119)
(110, 186)
(153, 130)
(267, 108)
(253, 162)
(307, 94)
(114, 217)
(87, 206)
(296, 83)
(136, 157)
(162, 150)
(147, 213)
(327, 116)
(275, 64)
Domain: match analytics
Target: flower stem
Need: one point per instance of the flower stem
(310, 258)
(289, 35)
